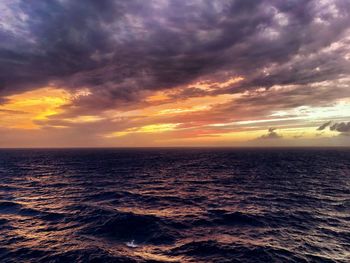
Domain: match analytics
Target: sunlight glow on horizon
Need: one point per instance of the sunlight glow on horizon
(33, 109)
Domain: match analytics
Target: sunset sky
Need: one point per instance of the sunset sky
(98, 73)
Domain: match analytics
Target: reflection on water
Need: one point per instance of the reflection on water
(168, 205)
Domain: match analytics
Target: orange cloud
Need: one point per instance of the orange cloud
(32, 106)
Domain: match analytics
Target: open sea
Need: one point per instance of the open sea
(175, 205)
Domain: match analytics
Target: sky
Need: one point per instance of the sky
(103, 73)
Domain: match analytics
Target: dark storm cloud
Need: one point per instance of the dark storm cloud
(120, 49)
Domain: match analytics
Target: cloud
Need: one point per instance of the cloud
(122, 50)
(324, 125)
(213, 68)
(12, 111)
(342, 127)
(271, 134)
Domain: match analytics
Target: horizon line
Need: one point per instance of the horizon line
(171, 147)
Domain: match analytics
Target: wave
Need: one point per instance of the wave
(74, 255)
(129, 226)
(219, 252)
(174, 206)
(8, 207)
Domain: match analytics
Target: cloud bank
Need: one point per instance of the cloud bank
(120, 48)
(274, 55)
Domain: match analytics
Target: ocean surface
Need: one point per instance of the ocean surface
(175, 205)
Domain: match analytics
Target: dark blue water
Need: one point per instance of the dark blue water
(175, 205)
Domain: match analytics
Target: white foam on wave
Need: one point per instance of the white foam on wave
(131, 244)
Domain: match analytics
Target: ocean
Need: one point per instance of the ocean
(175, 205)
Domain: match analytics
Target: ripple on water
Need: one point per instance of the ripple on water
(171, 205)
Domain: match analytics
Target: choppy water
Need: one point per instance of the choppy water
(159, 205)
